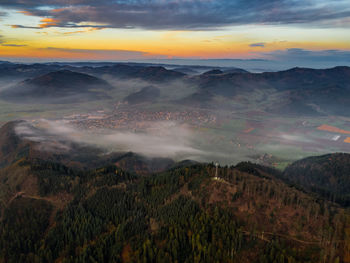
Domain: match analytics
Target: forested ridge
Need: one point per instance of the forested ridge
(327, 175)
(246, 214)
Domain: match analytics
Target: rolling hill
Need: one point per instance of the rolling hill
(118, 70)
(147, 73)
(147, 94)
(62, 86)
(300, 90)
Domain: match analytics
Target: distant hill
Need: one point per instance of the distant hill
(327, 175)
(159, 74)
(193, 70)
(213, 72)
(148, 73)
(23, 71)
(225, 71)
(327, 100)
(186, 70)
(293, 79)
(297, 91)
(147, 94)
(118, 70)
(301, 91)
(235, 70)
(60, 86)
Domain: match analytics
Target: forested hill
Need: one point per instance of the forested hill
(328, 175)
(78, 207)
(186, 214)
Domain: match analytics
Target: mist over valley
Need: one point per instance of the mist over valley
(223, 115)
(126, 162)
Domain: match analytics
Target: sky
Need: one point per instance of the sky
(288, 32)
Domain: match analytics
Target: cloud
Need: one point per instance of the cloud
(48, 22)
(57, 24)
(297, 57)
(12, 45)
(184, 14)
(28, 27)
(83, 31)
(260, 44)
(4, 44)
(103, 54)
(302, 55)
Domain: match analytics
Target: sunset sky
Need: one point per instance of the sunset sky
(48, 30)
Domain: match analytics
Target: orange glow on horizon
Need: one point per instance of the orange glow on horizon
(51, 34)
(89, 43)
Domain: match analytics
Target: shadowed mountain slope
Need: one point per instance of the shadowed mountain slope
(146, 95)
(327, 175)
(60, 86)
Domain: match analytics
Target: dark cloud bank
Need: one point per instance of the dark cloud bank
(185, 14)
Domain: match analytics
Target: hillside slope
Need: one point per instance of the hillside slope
(82, 206)
(62, 86)
(327, 175)
(147, 94)
(182, 215)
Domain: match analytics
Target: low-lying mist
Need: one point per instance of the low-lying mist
(170, 90)
(161, 139)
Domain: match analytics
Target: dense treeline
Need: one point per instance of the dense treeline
(22, 228)
(247, 214)
(327, 175)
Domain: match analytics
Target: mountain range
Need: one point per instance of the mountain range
(300, 91)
